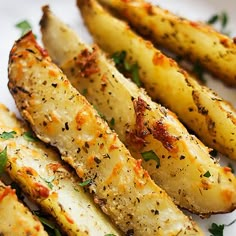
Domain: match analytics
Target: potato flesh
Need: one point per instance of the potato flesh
(66, 120)
(182, 169)
(47, 181)
(16, 219)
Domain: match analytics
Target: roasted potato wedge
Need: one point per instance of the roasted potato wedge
(211, 118)
(62, 117)
(182, 160)
(47, 181)
(194, 40)
(16, 219)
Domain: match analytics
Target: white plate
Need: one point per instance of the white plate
(14, 11)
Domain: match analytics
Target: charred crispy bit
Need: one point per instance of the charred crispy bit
(113, 181)
(86, 60)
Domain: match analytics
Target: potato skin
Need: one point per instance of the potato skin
(16, 219)
(61, 116)
(142, 124)
(194, 40)
(48, 182)
(199, 108)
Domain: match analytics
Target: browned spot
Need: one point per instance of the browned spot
(205, 185)
(37, 227)
(6, 192)
(115, 172)
(194, 24)
(103, 82)
(148, 8)
(158, 59)
(41, 190)
(225, 42)
(227, 195)
(138, 166)
(227, 169)
(81, 117)
(68, 218)
(87, 61)
(137, 136)
(29, 171)
(54, 166)
(160, 132)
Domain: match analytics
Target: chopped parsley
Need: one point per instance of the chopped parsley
(7, 135)
(151, 155)
(231, 167)
(85, 92)
(199, 71)
(30, 137)
(109, 235)
(213, 153)
(112, 122)
(220, 18)
(129, 70)
(49, 225)
(216, 230)
(3, 160)
(48, 181)
(207, 174)
(85, 183)
(24, 26)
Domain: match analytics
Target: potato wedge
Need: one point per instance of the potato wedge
(211, 118)
(142, 124)
(194, 40)
(62, 117)
(16, 219)
(47, 181)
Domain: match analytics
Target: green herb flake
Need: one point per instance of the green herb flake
(213, 153)
(221, 18)
(112, 122)
(3, 160)
(231, 167)
(224, 19)
(207, 174)
(213, 19)
(119, 57)
(29, 137)
(129, 70)
(216, 230)
(7, 135)
(109, 235)
(85, 92)
(85, 183)
(48, 181)
(24, 26)
(199, 71)
(49, 225)
(151, 155)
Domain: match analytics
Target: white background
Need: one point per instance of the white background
(14, 11)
